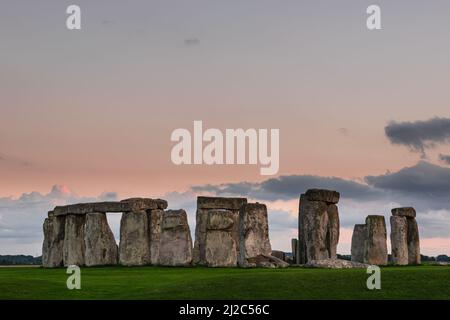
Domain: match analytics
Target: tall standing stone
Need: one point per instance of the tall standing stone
(413, 242)
(318, 225)
(294, 248)
(155, 218)
(412, 233)
(134, 246)
(375, 247)
(254, 232)
(74, 248)
(399, 240)
(100, 244)
(53, 245)
(175, 241)
(358, 241)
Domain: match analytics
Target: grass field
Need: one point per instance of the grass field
(418, 282)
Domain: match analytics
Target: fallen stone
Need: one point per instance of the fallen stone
(134, 246)
(336, 264)
(266, 261)
(53, 245)
(74, 248)
(176, 242)
(375, 247)
(399, 240)
(278, 254)
(100, 244)
(358, 241)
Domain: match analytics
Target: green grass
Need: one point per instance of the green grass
(418, 282)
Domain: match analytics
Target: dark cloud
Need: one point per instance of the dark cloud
(445, 158)
(290, 187)
(424, 179)
(419, 135)
(192, 42)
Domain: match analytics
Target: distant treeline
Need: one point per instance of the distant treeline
(20, 260)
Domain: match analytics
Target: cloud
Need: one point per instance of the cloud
(191, 42)
(419, 135)
(290, 187)
(445, 158)
(424, 186)
(21, 218)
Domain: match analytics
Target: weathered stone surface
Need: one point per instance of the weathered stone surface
(221, 249)
(207, 206)
(375, 246)
(335, 264)
(220, 220)
(328, 196)
(132, 204)
(404, 212)
(266, 261)
(399, 238)
(100, 244)
(254, 232)
(358, 241)
(220, 203)
(134, 246)
(155, 218)
(176, 242)
(137, 204)
(413, 242)
(74, 248)
(333, 230)
(315, 230)
(53, 245)
(279, 255)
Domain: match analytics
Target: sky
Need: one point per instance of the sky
(88, 114)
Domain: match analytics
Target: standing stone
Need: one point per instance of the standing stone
(134, 246)
(204, 206)
(375, 247)
(254, 232)
(74, 248)
(155, 218)
(399, 240)
(176, 243)
(100, 244)
(294, 248)
(412, 233)
(413, 242)
(52, 248)
(333, 230)
(318, 225)
(220, 246)
(358, 241)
